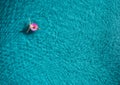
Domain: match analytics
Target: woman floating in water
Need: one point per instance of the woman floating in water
(32, 27)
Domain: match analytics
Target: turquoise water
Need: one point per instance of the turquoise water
(78, 43)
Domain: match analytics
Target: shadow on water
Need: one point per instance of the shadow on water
(24, 30)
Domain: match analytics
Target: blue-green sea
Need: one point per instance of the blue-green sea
(78, 42)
